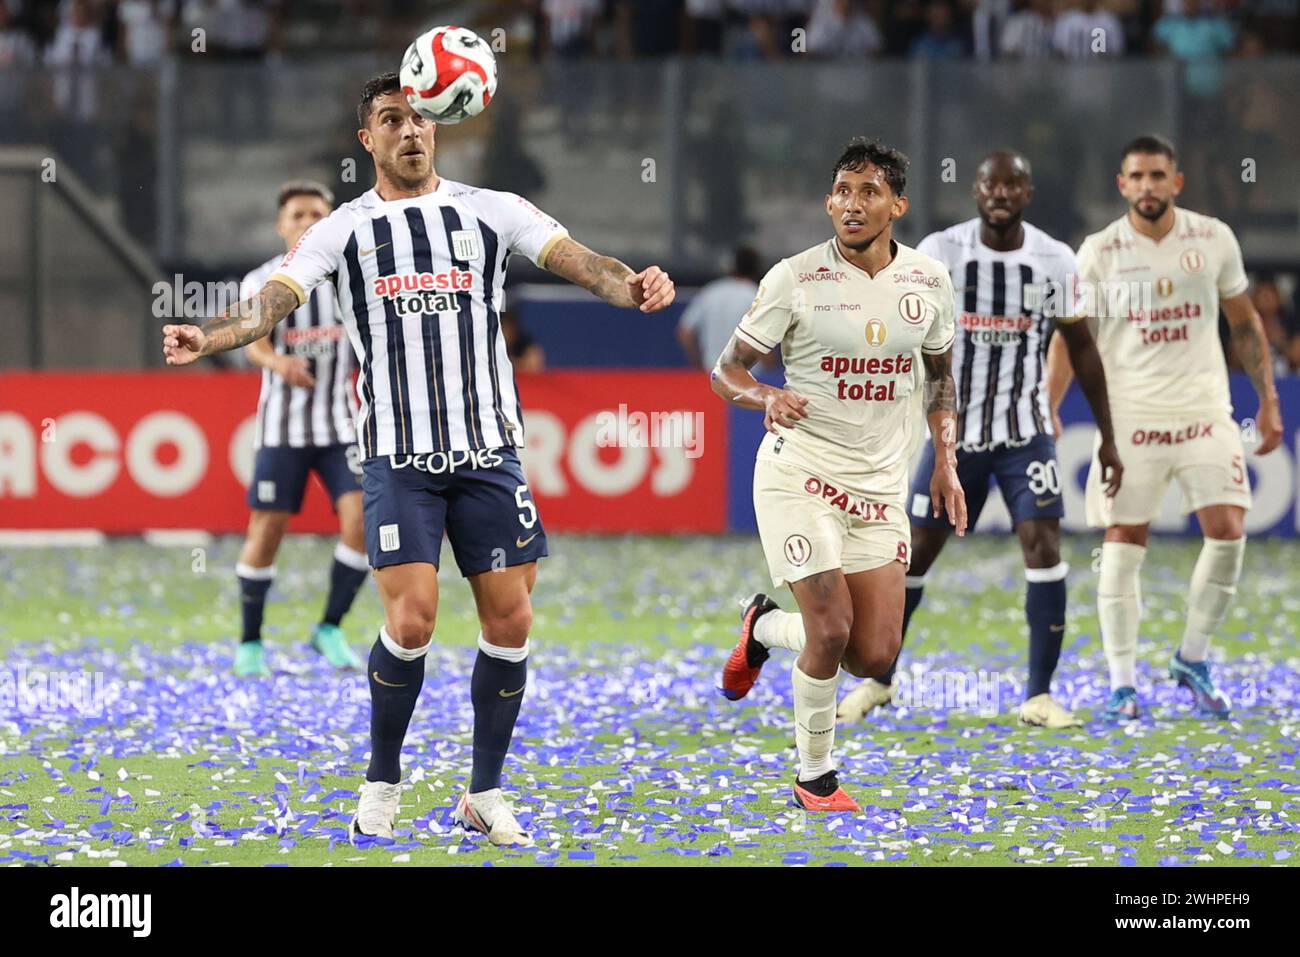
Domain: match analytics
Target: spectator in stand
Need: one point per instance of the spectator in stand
(987, 23)
(145, 30)
(940, 41)
(703, 27)
(771, 26)
(1198, 36)
(713, 312)
(17, 48)
(1088, 31)
(1276, 20)
(903, 22)
(649, 28)
(1281, 325)
(77, 47)
(571, 26)
(237, 29)
(1027, 34)
(843, 29)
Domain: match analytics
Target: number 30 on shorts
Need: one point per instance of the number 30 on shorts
(1044, 477)
(527, 510)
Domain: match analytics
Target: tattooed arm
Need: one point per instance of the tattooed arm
(649, 290)
(946, 493)
(1251, 346)
(732, 380)
(244, 322)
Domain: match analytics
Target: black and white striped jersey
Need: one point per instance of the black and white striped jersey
(324, 414)
(1004, 305)
(420, 285)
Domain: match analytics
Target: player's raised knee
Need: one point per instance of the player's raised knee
(828, 630)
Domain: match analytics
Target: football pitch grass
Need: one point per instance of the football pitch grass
(625, 753)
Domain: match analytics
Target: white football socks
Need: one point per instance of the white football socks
(814, 722)
(780, 629)
(1214, 583)
(1119, 606)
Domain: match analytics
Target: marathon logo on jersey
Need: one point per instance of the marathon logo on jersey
(414, 293)
(917, 277)
(1202, 430)
(446, 463)
(869, 390)
(867, 511)
(823, 274)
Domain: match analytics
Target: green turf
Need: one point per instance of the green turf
(604, 602)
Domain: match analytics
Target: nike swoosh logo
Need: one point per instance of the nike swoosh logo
(1056, 627)
(386, 684)
(1043, 502)
(367, 252)
(510, 694)
(521, 542)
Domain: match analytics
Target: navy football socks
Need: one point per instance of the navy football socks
(394, 687)
(346, 576)
(1045, 611)
(497, 690)
(254, 583)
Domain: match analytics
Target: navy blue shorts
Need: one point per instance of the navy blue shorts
(280, 475)
(480, 498)
(1027, 475)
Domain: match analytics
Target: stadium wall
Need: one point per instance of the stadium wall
(648, 451)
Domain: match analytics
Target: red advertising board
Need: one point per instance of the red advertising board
(124, 452)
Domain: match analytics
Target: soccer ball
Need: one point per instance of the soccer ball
(449, 74)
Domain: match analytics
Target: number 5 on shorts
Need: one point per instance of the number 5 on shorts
(527, 510)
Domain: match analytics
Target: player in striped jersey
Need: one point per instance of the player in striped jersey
(304, 425)
(418, 264)
(1011, 279)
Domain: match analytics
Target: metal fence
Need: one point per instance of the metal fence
(671, 161)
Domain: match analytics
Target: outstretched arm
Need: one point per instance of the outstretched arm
(615, 282)
(946, 493)
(1251, 346)
(244, 322)
(1086, 362)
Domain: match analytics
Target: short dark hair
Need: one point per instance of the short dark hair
(374, 88)
(862, 152)
(1149, 144)
(746, 262)
(304, 187)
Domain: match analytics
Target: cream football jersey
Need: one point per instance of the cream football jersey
(1157, 309)
(852, 346)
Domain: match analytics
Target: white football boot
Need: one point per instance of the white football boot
(488, 812)
(376, 811)
(860, 702)
(1043, 711)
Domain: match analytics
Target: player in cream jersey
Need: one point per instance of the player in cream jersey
(856, 318)
(1155, 280)
(851, 344)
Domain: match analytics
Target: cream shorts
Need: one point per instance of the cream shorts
(1202, 453)
(810, 523)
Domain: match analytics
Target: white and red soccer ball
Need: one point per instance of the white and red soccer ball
(449, 74)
